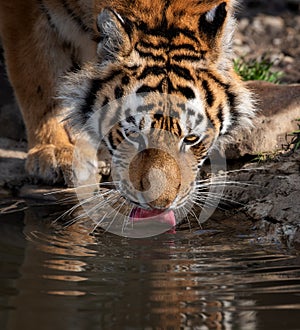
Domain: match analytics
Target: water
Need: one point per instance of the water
(63, 278)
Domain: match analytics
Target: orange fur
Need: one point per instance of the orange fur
(40, 50)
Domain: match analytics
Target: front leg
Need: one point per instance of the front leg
(36, 58)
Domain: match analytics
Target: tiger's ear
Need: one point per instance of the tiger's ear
(114, 34)
(211, 23)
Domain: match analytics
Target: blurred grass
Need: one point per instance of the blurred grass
(295, 142)
(257, 70)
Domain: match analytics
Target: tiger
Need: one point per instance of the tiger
(169, 61)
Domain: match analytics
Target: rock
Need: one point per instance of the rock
(12, 162)
(274, 23)
(270, 197)
(270, 24)
(279, 107)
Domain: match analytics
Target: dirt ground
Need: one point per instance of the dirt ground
(271, 29)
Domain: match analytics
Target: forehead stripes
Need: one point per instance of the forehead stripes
(161, 122)
(164, 59)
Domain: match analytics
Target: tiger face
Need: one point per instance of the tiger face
(160, 97)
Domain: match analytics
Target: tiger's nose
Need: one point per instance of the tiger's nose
(156, 175)
(159, 188)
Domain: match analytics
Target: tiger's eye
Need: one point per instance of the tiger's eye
(191, 139)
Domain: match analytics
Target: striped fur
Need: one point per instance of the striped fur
(168, 61)
(171, 63)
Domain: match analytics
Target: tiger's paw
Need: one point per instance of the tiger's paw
(57, 164)
(51, 164)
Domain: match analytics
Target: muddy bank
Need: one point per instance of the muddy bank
(269, 198)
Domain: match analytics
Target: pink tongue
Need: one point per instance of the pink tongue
(166, 217)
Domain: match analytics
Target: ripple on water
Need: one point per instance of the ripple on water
(54, 277)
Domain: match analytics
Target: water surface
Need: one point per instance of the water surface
(54, 277)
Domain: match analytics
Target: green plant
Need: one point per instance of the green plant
(257, 70)
(263, 157)
(294, 143)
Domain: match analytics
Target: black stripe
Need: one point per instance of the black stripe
(106, 100)
(119, 92)
(75, 67)
(192, 55)
(45, 10)
(211, 121)
(149, 89)
(131, 119)
(158, 70)
(143, 27)
(152, 70)
(168, 33)
(187, 33)
(169, 48)
(158, 116)
(145, 108)
(181, 72)
(229, 94)
(147, 44)
(164, 124)
(111, 140)
(170, 87)
(187, 92)
(213, 77)
(191, 112)
(231, 97)
(106, 144)
(150, 55)
(208, 93)
(192, 58)
(89, 100)
(131, 68)
(120, 137)
(220, 116)
(96, 85)
(188, 47)
(125, 80)
(76, 18)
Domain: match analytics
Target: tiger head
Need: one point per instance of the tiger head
(162, 94)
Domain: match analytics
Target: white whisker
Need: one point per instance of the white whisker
(116, 213)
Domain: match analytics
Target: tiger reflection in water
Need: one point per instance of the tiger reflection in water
(116, 283)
